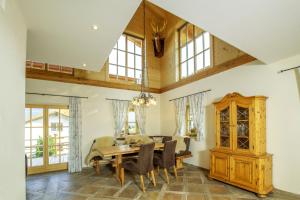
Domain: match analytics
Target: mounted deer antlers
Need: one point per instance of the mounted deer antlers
(158, 40)
(158, 28)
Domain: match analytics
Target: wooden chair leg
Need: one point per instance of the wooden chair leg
(166, 174)
(148, 175)
(157, 169)
(142, 183)
(153, 178)
(122, 176)
(175, 171)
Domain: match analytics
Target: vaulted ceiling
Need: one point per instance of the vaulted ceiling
(266, 29)
(60, 31)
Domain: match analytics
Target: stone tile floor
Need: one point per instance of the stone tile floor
(192, 184)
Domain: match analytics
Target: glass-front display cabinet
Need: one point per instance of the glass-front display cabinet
(240, 150)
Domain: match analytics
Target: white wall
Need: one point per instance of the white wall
(283, 114)
(97, 119)
(12, 87)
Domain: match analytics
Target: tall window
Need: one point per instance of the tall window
(194, 50)
(125, 60)
(190, 128)
(131, 126)
(131, 122)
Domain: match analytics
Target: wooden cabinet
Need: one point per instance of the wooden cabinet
(220, 165)
(240, 156)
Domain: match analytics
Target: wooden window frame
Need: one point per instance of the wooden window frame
(195, 54)
(126, 78)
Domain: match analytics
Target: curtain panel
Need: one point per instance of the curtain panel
(140, 113)
(196, 103)
(75, 131)
(120, 111)
(180, 113)
(297, 75)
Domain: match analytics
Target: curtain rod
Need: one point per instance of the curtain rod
(191, 94)
(284, 70)
(55, 95)
(117, 99)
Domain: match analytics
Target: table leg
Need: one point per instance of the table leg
(118, 161)
(97, 167)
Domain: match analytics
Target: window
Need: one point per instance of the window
(131, 123)
(194, 50)
(131, 126)
(125, 60)
(49, 67)
(46, 137)
(190, 128)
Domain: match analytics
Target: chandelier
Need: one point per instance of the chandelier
(144, 98)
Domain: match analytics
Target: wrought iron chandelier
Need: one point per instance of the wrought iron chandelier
(144, 98)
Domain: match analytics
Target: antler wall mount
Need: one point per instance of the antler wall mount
(158, 27)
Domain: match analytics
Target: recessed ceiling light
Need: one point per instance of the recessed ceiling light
(95, 27)
(84, 65)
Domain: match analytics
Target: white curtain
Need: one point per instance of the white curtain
(75, 154)
(180, 112)
(120, 111)
(140, 113)
(196, 103)
(297, 74)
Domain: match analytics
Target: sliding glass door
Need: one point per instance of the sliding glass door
(46, 138)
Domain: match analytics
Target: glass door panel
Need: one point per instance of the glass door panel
(64, 135)
(34, 136)
(242, 127)
(58, 136)
(225, 127)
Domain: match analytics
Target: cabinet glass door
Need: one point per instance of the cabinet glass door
(242, 128)
(225, 127)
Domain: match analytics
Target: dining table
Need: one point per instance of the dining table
(118, 152)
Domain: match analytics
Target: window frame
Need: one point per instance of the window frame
(195, 54)
(126, 77)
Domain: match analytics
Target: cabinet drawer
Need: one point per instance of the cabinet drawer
(243, 171)
(220, 165)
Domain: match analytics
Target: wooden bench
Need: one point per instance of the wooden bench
(179, 160)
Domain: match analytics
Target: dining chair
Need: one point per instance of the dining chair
(166, 158)
(141, 165)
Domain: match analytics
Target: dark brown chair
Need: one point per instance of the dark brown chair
(166, 159)
(142, 164)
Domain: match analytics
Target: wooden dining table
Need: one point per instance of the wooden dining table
(118, 152)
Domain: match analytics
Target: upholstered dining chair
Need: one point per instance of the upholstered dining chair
(141, 165)
(166, 158)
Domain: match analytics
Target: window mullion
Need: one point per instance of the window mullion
(117, 60)
(186, 50)
(194, 49)
(126, 59)
(203, 50)
(134, 65)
